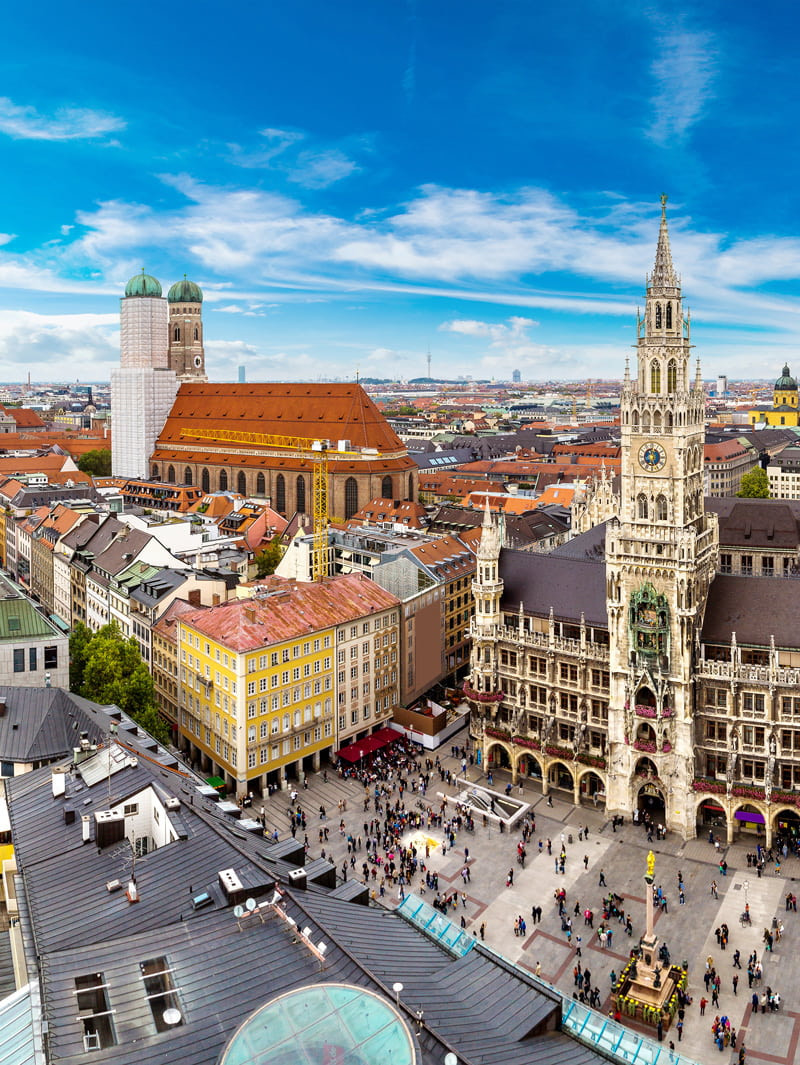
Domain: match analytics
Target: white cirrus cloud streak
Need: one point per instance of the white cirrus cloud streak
(25, 122)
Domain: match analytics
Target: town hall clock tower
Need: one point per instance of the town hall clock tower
(660, 559)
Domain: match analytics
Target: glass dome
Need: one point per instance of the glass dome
(320, 1023)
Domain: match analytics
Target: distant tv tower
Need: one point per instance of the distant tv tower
(429, 363)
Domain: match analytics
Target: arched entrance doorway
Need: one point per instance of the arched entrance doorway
(559, 776)
(786, 828)
(711, 818)
(528, 766)
(748, 823)
(497, 757)
(651, 804)
(593, 789)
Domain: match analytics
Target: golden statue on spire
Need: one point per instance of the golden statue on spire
(664, 199)
(651, 865)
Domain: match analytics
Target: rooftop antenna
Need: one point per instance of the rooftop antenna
(112, 732)
(429, 364)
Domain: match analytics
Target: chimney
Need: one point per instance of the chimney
(250, 614)
(194, 597)
(215, 600)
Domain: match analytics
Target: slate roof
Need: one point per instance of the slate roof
(765, 524)
(221, 972)
(755, 608)
(43, 724)
(570, 586)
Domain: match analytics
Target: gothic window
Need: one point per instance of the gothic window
(187, 475)
(171, 474)
(645, 422)
(668, 419)
(669, 316)
(177, 333)
(655, 376)
(154, 474)
(205, 480)
(280, 493)
(635, 419)
(661, 508)
(658, 316)
(223, 480)
(196, 333)
(672, 375)
(300, 504)
(261, 486)
(641, 505)
(241, 483)
(411, 487)
(350, 497)
(386, 488)
(657, 422)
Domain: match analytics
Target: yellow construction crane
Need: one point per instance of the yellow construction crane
(314, 451)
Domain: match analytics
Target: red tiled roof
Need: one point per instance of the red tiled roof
(287, 609)
(314, 411)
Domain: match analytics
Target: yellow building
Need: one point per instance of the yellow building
(259, 689)
(784, 409)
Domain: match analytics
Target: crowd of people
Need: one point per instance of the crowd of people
(402, 788)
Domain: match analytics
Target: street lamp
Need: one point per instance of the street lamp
(361, 760)
(397, 988)
(746, 886)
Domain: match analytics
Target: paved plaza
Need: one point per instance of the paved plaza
(620, 856)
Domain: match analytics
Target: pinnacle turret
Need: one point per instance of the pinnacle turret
(663, 276)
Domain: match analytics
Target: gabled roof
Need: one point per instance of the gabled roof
(755, 608)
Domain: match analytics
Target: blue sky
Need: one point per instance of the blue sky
(353, 184)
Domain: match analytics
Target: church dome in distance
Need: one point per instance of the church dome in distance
(185, 292)
(143, 285)
(786, 383)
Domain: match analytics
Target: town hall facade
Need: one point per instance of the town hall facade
(623, 668)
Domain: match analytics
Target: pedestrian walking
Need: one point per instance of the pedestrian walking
(602, 880)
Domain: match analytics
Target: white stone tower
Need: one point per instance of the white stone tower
(660, 557)
(186, 354)
(143, 388)
(487, 590)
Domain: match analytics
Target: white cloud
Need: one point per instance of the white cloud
(683, 74)
(318, 170)
(79, 345)
(66, 123)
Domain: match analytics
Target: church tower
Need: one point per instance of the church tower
(487, 591)
(660, 558)
(143, 387)
(186, 355)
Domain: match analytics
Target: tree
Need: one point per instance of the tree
(79, 641)
(755, 484)
(109, 669)
(268, 559)
(97, 463)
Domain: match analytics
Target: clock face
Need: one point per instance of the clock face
(652, 457)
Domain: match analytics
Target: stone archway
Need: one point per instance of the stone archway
(785, 823)
(529, 765)
(560, 776)
(650, 801)
(711, 816)
(748, 822)
(592, 788)
(498, 756)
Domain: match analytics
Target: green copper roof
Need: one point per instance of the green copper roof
(143, 285)
(786, 383)
(185, 292)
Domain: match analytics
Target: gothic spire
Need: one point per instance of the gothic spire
(663, 275)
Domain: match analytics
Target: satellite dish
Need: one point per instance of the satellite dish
(172, 1017)
(250, 904)
(238, 911)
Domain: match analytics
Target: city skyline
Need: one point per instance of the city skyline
(354, 189)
